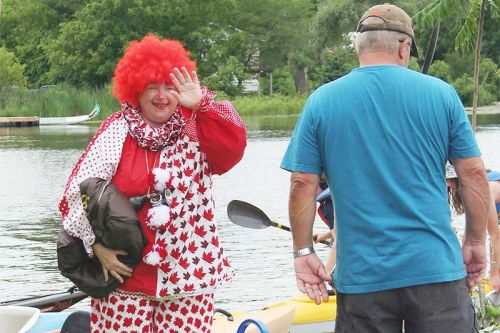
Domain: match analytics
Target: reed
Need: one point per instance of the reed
(269, 105)
(60, 101)
(64, 100)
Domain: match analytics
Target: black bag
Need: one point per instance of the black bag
(115, 225)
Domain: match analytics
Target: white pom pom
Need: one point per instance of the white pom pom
(152, 258)
(158, 216)
(161, 177)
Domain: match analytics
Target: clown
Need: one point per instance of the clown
(163, 147)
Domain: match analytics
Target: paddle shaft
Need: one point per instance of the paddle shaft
(50, 303)
(284, 227)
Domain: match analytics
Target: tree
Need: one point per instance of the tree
(279, 30)
(11, 70)
(88, 47)
(470, 35)
(11, 73)
(28, 25)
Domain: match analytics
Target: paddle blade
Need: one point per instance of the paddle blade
(247, 215)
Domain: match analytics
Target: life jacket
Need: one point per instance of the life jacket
(325, 208)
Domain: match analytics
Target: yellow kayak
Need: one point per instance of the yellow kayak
(276, 320)
(310, 317)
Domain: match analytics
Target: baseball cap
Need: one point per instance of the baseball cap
(394, 19)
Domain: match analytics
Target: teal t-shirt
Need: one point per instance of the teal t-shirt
(382, 135)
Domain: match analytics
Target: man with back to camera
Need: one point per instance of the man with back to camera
(382, 134)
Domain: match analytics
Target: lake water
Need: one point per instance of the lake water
(35, 164)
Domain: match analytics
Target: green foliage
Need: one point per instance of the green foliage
(63, 100)
(11, 71)
(269, 105)
(283, 83)
(27, 27)
(491, 320)
(336, 62)
(464, 86)
(224, 78)
(439, 10)
(441, 69)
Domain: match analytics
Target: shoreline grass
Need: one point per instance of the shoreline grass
(64, 101)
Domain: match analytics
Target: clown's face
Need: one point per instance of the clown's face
(157, 103)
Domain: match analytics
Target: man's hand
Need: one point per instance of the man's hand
(474, 254)
(311, 276)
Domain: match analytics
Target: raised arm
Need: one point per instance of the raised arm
(220, 131)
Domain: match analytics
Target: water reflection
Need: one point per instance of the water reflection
(36, 162)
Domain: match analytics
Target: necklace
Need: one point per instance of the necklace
(147, 166)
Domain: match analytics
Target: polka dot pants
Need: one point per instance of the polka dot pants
(118, 313)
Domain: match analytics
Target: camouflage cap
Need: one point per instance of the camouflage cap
(394, 19)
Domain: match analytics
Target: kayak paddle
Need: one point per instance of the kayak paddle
(247, 215)
(51, 303)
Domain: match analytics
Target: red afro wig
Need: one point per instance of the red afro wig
(148, 60)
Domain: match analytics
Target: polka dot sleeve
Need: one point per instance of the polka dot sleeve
(100, 159)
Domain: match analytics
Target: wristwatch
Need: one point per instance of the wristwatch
(303, 252)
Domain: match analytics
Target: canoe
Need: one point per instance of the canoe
(70, 120)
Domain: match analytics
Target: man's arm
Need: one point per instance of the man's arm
(309, 270)
(475, 194)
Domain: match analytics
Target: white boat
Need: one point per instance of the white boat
(18, 319)
(71, 120)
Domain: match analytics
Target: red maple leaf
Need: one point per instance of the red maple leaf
(127, 322)
(200, 231)
(190, 154)
(202, 189)
(207, 256)
(181, 187)
(188, 172)
(178, 322)
(175, 253)
(189, 287)
(192, 247)
(208, 214)
(189, 195)
(183, 262)
(177, 163)
(215, 241)
(131, 309)
(172, 229)
(198, 272)
(173, 278)
(184, 236)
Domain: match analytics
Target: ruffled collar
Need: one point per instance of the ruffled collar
(153, 138)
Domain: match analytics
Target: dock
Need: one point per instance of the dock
(19, 121)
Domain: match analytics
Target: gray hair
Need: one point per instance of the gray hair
(378, 40)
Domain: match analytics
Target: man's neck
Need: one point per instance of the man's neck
(379, 58)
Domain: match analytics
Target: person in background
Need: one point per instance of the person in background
(382, 135)
(164, 145)
(456, 203)
(326, 213)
